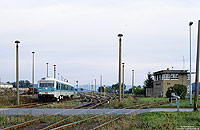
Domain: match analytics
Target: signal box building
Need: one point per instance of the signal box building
(166, 78)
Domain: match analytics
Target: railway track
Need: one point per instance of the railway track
(135, 106)
(85, 106)
(37, 104)
(31, 105)
(25, 123)
(67, 126)
(94, 103)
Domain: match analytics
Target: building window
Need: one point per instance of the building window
(159, 78)
(155, 78)
(168, 84)
(174, 76)
(166, 76)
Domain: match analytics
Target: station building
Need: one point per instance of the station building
(166, 78)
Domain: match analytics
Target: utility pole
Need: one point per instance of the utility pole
(101, 84)
(54, 71)
(120, 62)
(47, 70)
(197, 71)
(33, 73)
(123, 79)
(77, 85)
(190, 35)
(17, 72)
(132, 81)
(95, 81)
(92, 90)
(104, 90)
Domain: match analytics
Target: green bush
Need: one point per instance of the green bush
(178, 89)
(139, 91)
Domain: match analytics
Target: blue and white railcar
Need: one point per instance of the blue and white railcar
(53, 88)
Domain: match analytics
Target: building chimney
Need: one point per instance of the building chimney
(54, 71)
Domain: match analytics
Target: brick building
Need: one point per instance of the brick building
(166, 78)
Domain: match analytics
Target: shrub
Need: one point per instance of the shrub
(178, 89)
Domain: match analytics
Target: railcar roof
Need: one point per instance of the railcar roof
(48, 79)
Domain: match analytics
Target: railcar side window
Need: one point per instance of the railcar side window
(70, 88)
(46, 85)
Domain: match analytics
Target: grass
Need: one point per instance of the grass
(130, 101)
(10, 100)
(157, 121)
(64, 104)
(6, 121)
(182, 104)
(144, 121)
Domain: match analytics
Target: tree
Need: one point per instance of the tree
(149, 81)
(22, 84)
(139, 90)
(116, 87)
(109, 89)
(101, 89)
(178, 89)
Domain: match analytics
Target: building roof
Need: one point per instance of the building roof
(171, 72)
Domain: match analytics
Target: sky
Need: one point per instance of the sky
(80, 37)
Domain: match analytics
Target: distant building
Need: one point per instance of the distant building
(166, 78)
(5, 85)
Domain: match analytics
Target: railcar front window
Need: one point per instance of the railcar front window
(46, 85)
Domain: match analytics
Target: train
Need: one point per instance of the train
(51, 88)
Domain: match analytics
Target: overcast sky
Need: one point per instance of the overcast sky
(80, 37)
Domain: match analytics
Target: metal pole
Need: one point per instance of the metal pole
(92, 90)
(33, 74)
(132, 81)
(77, 85)
(197, 71)
(101, 84)
(120, 62)
(123, 79)
(104, 90)
(54, 71)
(17, 72)
(95, 85)
(47, 70)
(177, 104)
(190, 35)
